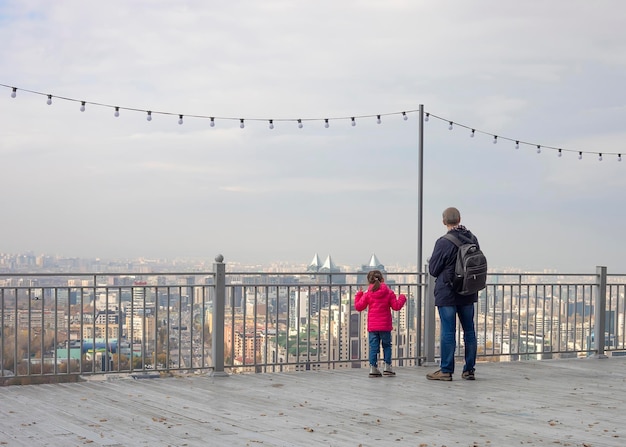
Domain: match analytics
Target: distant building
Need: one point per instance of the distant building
(329, 271)
(373, 264)
(314, 265)
(106, 325)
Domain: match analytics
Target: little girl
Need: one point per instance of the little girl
(379, 300)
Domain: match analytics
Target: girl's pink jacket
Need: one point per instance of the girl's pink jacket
(380, 304)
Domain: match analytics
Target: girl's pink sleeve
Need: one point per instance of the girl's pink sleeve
(360, 303)
(397, 303)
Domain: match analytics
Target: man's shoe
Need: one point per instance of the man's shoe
(374, 371)
(387, 371)
(438, 375)
(468, 375)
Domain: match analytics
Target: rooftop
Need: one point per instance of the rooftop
(570, 402)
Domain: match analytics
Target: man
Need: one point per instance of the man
(449, 303)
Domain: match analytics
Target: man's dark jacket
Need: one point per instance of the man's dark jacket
(441, 266)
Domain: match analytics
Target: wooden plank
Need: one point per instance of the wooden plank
(552, 402)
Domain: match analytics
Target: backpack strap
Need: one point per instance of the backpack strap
(451, 237)
(457, 240)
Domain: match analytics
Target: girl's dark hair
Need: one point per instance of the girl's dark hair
(375, 277)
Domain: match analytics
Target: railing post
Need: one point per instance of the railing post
(419, 323)
(429, 321)
(217, 316)
(599, 331)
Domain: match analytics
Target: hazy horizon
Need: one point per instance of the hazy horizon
(298, 265)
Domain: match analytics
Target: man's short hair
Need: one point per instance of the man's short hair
(451, 216)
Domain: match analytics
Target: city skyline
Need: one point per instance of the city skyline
(87, 184)
(42, 260)
(16, 263)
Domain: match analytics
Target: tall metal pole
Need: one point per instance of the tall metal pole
(420, 188)
(420, 206)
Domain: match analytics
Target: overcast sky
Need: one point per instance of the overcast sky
(88, 184)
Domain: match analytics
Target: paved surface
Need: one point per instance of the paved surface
(575, 402)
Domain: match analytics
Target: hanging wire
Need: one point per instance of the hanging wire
(518, 142)
(352, 119)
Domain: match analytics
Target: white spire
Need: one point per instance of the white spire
(315, 262)
(374, 262)
(329, 264)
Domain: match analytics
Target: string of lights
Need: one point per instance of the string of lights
(212, 119)
(518, 142)
(300, 121)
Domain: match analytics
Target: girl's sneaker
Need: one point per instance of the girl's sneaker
(387, 371)
(374, 371)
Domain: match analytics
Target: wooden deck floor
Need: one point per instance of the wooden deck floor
(577, 402)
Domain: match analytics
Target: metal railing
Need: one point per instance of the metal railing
(230, 322)
(544, 315)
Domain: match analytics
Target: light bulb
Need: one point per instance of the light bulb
(517, 145)
(404, 116)
(82, 106)
(117, 112)
(353, 122)
(149, 117)
(271, 124)
(378, 120)
(300, 124)
(326, 123)
(600, 157)
(49, 101)
(212, 124)
(450, 126)
(180, 119)
(580, 155)
(538, 149)
(426, 117)
(241, 124)
(472, 134)
(560, 153)
(495, 138)
(14, 92)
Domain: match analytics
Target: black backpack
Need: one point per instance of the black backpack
(470, 272)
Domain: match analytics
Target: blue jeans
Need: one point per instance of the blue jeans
(447, 316)
(375, 340)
